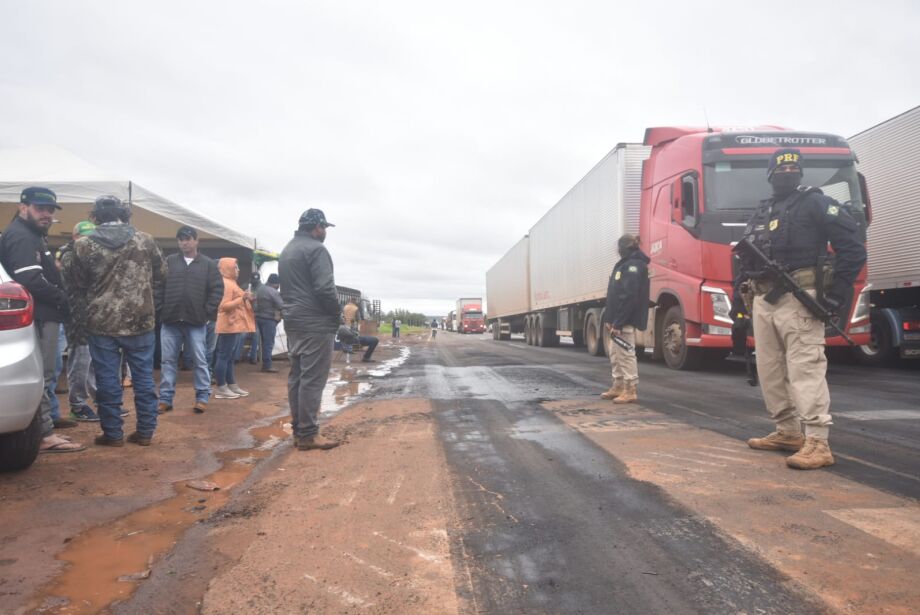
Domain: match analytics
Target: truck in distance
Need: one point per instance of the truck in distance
(688, 193)
(469, 315)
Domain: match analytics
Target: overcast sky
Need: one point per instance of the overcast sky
(433, 134)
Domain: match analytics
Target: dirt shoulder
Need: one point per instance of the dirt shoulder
(854, 547)
(361, 528)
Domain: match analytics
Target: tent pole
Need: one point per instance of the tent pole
(130, 190)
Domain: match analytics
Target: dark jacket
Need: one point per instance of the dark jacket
(269, 303)
(308, 286)
(25, 256)
(794, 231)
(628, 292)
(192, 292)
(117, 269)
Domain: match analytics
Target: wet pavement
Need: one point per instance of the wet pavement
(553, 523)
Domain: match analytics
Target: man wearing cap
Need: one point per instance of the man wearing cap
(793, 227)
(25, 255)
(81, 378)
(268, 312)
(118, 271)
(190, 298)
(311, 315)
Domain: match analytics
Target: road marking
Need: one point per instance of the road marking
(392, 497)
(384, 573)
(344, 596)
(481, 488)
(877, 466)
(690, 459)
(879, 415)
(898, 526)
(431, 557)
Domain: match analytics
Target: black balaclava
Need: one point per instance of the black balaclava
(784, 183)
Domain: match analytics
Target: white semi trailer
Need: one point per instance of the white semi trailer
(889, 157)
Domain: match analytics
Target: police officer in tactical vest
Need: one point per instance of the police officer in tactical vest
(625, 313)
(793, 228)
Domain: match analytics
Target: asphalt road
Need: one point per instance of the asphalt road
(552, 523)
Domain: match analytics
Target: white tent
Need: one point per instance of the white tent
(77, 183)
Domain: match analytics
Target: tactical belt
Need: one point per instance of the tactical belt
(804, 277)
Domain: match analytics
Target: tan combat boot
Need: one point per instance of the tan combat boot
(778, 441)
(615, 391)
(628, 396)
(815, 454)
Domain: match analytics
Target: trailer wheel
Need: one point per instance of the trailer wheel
(496, 330)
(879, 350)
(674, 347)
(537, 331)
(593, 337)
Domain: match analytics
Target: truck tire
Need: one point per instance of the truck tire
(593, 337)
(19, 449)
(879, 351)
(677, 355)
(528, 332)
(496, 331)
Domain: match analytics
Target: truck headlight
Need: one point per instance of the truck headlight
(862, 305)
(721, 304)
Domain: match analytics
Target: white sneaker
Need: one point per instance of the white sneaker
(236, 389)
(225, 392)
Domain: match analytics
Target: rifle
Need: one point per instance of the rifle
(783, 283)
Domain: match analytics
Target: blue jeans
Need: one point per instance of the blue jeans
(171, 340)
(254, 345)
(138, 351)
(267, 328)
(58, 368)
(370, 342)
(211, 344)
(227, 346)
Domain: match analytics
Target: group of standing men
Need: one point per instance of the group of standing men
(793, 228)
(110, 288)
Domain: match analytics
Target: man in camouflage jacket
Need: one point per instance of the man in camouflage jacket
(116, 269)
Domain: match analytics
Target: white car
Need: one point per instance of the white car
(21, 378)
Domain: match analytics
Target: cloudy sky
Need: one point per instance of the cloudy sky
(433, 134)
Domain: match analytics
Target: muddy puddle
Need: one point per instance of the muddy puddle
(107, 563)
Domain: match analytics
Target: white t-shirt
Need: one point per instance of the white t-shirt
(188, 261)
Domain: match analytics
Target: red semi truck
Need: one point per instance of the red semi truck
(469, 316)
(688, 193)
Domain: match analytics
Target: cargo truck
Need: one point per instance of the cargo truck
(451, 322)
(688, 193)
(889, 156)
(469, 316)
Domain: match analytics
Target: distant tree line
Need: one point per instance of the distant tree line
(407, 318)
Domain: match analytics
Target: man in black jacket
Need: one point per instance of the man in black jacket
(191, 296)
(626, 312)
(312, 315)
(25, 255)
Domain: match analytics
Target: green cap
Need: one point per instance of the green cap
(84, 228)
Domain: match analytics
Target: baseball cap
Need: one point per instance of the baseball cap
(107, 201)
(313, 217)
(84, 227)
(782, 157)
(186, 232)
(39, 195)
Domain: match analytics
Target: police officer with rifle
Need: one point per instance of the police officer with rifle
(792, 290)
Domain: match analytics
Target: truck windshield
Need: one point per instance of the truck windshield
(472, 314)
(742, 184)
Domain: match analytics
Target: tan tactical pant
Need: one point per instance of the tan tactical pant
(791, 364)
(623, 365)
